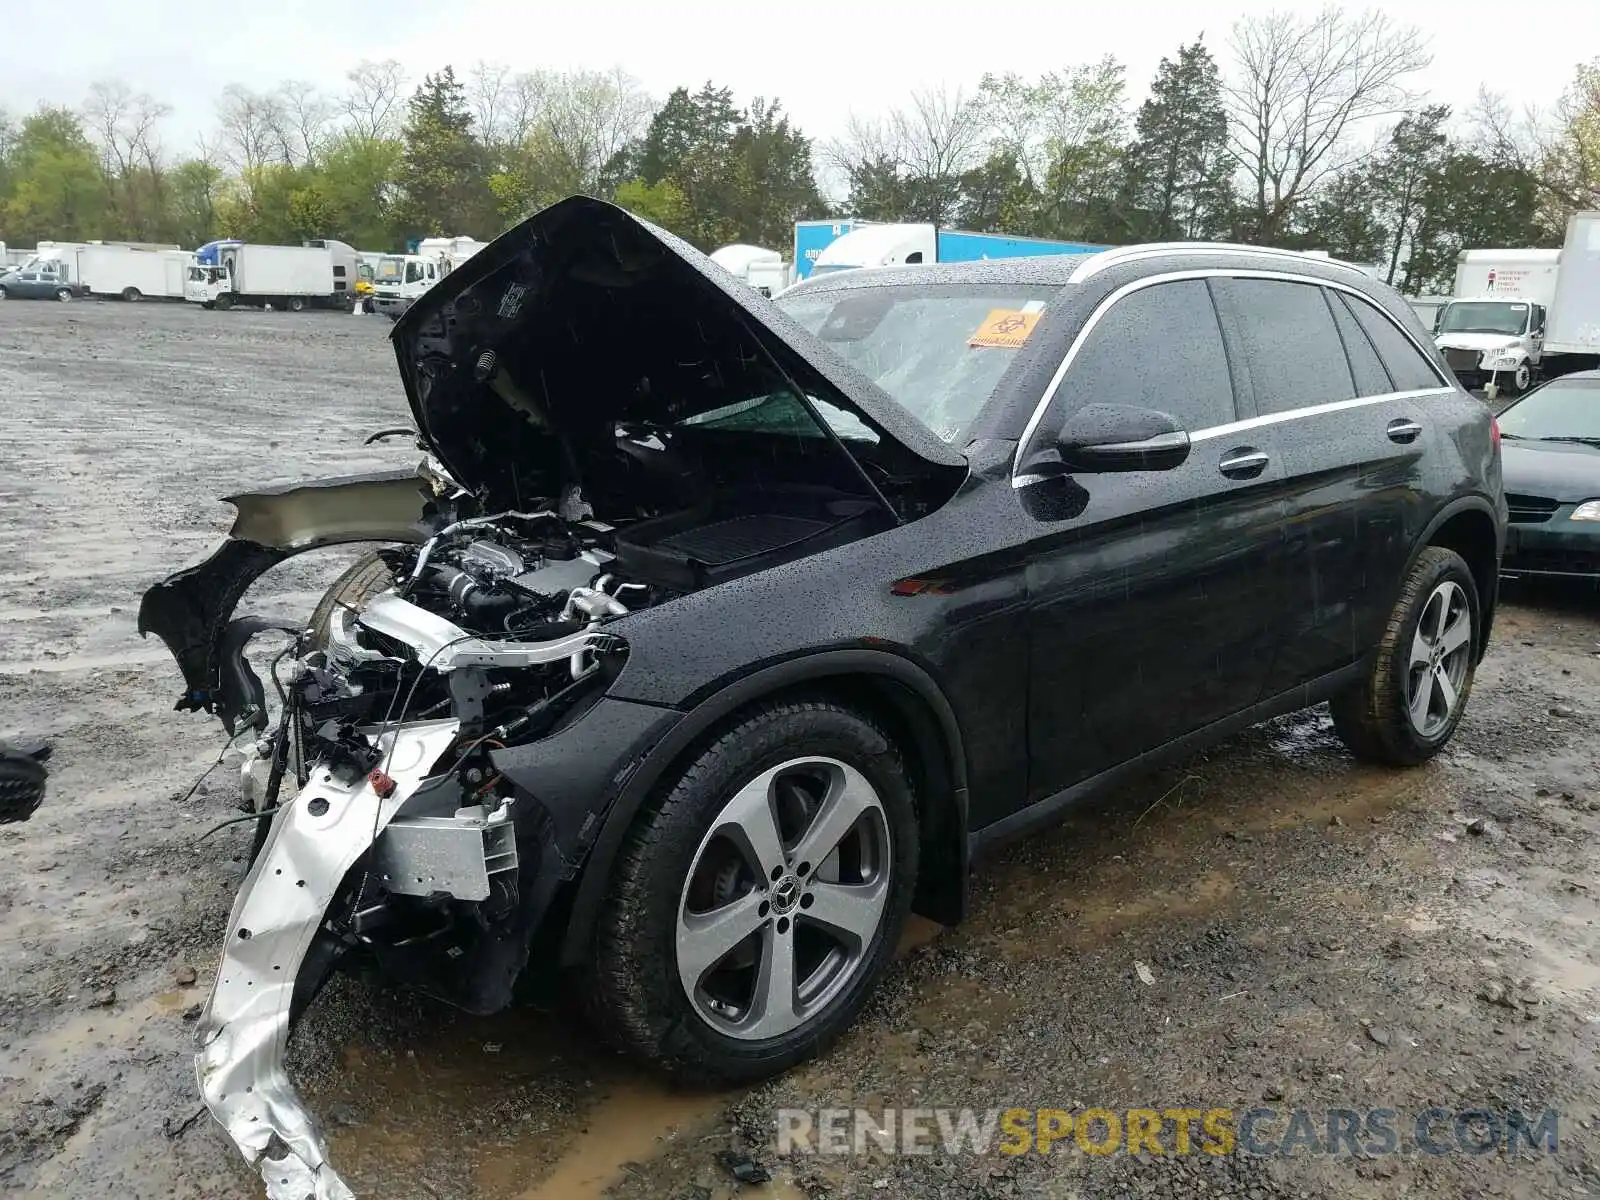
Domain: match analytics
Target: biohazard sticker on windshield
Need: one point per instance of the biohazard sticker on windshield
(1006, 328)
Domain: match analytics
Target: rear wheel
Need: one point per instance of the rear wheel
(64, 294)
(132, 295)
(1413, 697)
(2, 293)
(753, 910)
(295, 304)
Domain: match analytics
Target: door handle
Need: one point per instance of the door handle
(1403, 429)
(1244, 463)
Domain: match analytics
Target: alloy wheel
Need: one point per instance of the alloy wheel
(1441, 650)
(784, 898)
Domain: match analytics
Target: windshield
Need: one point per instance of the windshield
(1487, 316)
(390, 269)
(1561, 409)
(938, 351)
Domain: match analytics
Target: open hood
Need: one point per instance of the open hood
(525, 363)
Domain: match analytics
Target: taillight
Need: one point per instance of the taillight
(1494, 432)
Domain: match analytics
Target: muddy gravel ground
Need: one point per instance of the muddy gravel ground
(1307, 932)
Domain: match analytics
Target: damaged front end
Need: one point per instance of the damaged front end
(611, 426)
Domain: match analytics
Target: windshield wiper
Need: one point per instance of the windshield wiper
(1582, 441)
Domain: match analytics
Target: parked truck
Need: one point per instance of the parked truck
(401, 278)
(1491, 332)
(896, 245)
(227, 273)
(763, 269)
(133, 274)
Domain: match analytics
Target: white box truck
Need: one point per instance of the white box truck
(286, 277)
(762, 269)
(1519, 314)
(134, 274)
(1491, 330)
(401, 278)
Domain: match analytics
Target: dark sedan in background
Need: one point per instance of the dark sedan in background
(1552, 478)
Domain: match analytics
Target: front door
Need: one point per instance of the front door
(1152, 593)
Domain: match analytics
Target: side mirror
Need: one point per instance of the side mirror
(1109, 437)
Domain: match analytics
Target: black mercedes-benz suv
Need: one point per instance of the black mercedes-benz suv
(716, 634)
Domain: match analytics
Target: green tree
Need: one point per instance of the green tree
(359, 176)
(1471, 200)
(1178, 173)
(443, 170)
(194, 188)
(1340, 218)
(57, 189)
(1418, 148)
(661, 203)
(743, 174)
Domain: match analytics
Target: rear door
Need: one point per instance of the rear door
(1151, 593)
(1353, 435)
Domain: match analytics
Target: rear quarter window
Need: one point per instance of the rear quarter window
(1408, 367)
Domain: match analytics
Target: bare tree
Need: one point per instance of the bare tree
(590, 115)
(372, 104)
(489, 91)
(252, 127)
(307, 112)
(126, 124)
(929, 143)
(1300, 89)
(1559, 148)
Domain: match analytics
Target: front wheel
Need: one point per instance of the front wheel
(64, 294)
(753, 910)
(1413, 697)
(2, 293)
(132, 295)
(223, 302)
(1522, 378)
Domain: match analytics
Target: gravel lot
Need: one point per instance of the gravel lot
(1315, 934)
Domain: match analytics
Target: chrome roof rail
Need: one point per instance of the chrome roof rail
(1121, 254)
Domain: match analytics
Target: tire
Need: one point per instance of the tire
(64, 295)
(223, 302)
(1521, 378)
(132, 295)
(295, 304)
(674, 860)
(361, 581)
(1377, 719)
(2, 293)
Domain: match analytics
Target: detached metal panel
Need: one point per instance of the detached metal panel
(1573, 325)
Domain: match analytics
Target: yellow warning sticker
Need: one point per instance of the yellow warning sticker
(1005, 328)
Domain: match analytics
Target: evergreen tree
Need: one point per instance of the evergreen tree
(1178, 171)
(443, 167)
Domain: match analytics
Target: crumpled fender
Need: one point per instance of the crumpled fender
(191, 610)
(316, 840)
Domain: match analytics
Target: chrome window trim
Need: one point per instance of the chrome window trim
(1127, 289)
(1107, 259)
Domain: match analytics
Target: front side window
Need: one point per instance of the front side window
(937, 350)
(414, 272)
(1290, 344)
(1157, 348)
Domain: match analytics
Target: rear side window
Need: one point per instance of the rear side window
(1290, 344)
(1160, 348)
(1408, 366)
(1371, 378)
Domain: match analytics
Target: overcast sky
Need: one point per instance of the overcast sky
(822, 60)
